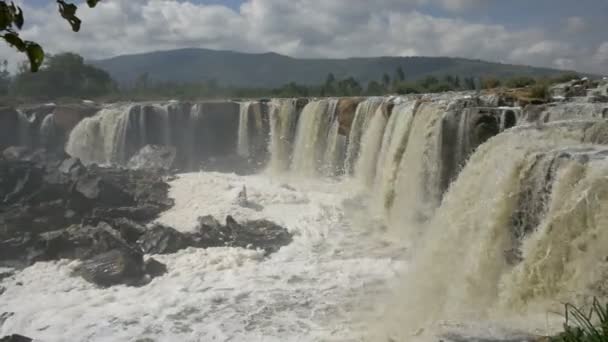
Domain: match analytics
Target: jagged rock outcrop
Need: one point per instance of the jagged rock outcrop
(52, 208)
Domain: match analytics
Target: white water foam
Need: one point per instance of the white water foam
(311, 290)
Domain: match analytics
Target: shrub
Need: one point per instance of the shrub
(582, 327)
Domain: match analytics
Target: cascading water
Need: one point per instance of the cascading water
(311, 137)
(394, 144)
(335, 151)
(473, 262)
(243, 141)
(101, 138)
(417, 188)
(371, 141)
(365, 111)
(283, 121)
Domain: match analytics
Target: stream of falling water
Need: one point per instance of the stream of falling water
(283, 120)
(243, 138)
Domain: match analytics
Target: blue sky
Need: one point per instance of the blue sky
(553, 33)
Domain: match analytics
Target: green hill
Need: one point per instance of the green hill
(271, 69)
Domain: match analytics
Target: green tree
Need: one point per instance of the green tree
(386, 81)
(64, 75)
(490, 83)
(374, 89)
(400, 74)
(469, 83)
(5, 78)
(12, 20)
(520, 82)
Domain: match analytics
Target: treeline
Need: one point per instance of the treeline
(67, 76)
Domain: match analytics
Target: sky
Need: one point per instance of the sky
(564, 34)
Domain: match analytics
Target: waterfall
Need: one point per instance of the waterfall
(370, 145)
(283, 120)
(311, 137)
(335, 151)
(101, 138)
(243, 140)
(363, 114)
(520, 229)
(47, 130)
(394, 144)
(417, 189)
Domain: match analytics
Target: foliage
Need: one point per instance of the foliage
(5, 78)
(567, 77)
(63, 75)
(12, 20)
(585, 327)
(490, 83)
(540, 91)
(520, 82)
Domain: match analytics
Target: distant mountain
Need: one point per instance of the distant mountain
(271, 69)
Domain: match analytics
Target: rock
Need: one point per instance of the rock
(6, 273)
(15, 338)
(154, 157)
(259, 234)
(245, 203)
(570, 89)
(164, 240)
(345, 111)
(79, 242)
(154, 268)
(115, 267)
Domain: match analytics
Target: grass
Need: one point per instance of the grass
(585, 327)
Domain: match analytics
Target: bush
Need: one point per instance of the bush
(539, 91)
(520, 82)
(581, 327)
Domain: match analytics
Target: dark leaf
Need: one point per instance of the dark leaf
(68, 12)
(14, 40)
(92, 3)
(6, 16)
(35, 54)
(18, 19)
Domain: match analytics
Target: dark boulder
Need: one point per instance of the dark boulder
(154, 268)
(15, 338)
(115, 267)
(164, 240)
(259, 234)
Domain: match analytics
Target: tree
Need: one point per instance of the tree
(64, 75)
(490, 83)
(386, 81)
(374, 89)
(5, 78)
(12, 20)
(520, 82)
(400, 74)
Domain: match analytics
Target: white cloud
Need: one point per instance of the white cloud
(301, 28)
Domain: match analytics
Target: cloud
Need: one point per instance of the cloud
(304, 28)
